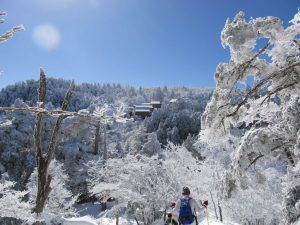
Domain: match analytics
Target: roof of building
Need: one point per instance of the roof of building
(143, 106)
(173, 100)
(142, 110)
(155, 102)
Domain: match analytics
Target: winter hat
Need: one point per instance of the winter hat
(186, 191)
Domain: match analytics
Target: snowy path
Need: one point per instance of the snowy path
(86, 220)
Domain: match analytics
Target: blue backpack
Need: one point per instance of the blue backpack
(185, 213)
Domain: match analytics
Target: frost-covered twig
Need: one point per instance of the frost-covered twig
(11, 32)
(257, 158)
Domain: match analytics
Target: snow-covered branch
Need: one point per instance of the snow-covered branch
(11, 32)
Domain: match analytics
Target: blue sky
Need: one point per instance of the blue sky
(144, 43)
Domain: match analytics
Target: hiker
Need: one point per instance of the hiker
(170, 220)
(186, 208)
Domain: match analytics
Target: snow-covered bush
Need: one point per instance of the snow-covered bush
(142, 185)
(145, 186)
(12, 202)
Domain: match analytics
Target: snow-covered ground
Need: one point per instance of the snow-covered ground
(86, 220)
(89, 209)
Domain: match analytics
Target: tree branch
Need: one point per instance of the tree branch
(244, 66)
(11, 33)
(258, 157)
(261, 83)
(56, 130)
(39, 117)
(278, 90)
(68, 96)
(49, 112)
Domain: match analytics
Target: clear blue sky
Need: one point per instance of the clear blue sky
(136, 42)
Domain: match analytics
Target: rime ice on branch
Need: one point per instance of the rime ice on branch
(269, 111)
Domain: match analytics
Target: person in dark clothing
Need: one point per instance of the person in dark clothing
(170, 220)
(186, 209)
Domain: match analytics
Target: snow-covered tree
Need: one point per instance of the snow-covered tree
(267, 114)
(60, 199)
(141, 185)
(136, 139)
(152, 146)
(12, 203)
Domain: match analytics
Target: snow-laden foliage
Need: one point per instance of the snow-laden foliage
(145, 185)
(61, 200)
(12, 202)
(259, 198)
(140, 184)
(152, 146)
(264, 120)
(174, 122)
(17, 153)
(292, 197)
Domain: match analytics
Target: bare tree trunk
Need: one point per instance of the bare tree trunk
(43, 162)
(143, 216)
(137, 222)
(103, 206)
(42, 193)
(97, 138)
(165, 214)
(220, 212)
(212, 199)
(104, 144)
(44, 188)
(117, 220)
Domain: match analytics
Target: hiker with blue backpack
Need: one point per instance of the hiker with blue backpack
(186, 208)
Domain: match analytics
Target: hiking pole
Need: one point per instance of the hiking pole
(195, 215)
(206, 213)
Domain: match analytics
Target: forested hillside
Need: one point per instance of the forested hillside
(175, 122)
(87, 95)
